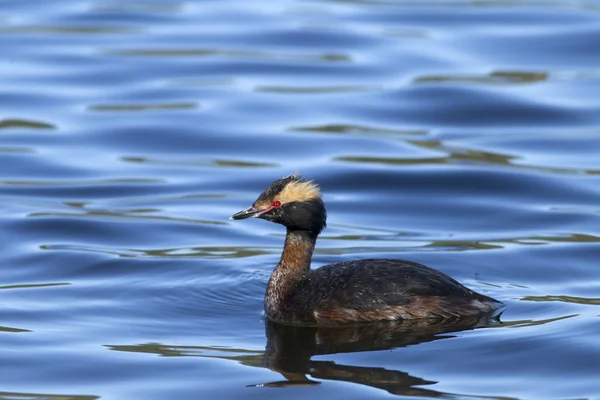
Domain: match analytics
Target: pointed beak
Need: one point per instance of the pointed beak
(249, 212)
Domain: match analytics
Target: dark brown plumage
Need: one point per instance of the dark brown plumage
(353, 291)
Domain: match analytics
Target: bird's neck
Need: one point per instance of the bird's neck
(297, 254)
(293, 268)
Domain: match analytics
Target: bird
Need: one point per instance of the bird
(364, 290)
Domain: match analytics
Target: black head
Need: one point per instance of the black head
(292, 202)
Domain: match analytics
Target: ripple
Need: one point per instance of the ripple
(458, 134)
(423, 242)
(496, 77)
(205, 252)
(16, 150)
(83, 182)
(40, 396)
(141, 214)
(245, 357)
(144, 107)
(561, 152)
(315, 89)
(391, 161)
(22, 123)
(406, 245)
(359, 130)
(241, 54)
(137, 7)
(65, 30)
(200, 82)
(530, 323)
(564, 299)
(34, 285)
(9, 329)
(457, 153)
(453, 105)
(181, 162)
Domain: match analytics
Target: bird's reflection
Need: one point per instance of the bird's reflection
(289, 351)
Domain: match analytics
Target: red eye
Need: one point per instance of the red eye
(276, 203)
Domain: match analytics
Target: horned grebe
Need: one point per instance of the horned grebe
(351, 291)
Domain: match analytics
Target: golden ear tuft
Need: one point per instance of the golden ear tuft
(299, 191)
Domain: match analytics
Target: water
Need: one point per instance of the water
(463, 135)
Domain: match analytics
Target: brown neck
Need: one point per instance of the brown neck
(294, 265)
(293, 268)
(297, 254)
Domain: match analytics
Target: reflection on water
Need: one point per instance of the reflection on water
(12, 330)
(327, 57)
(566, 299)
(454, 154)
(143, 107)
(182, 162)
(359, 130)
(34, 285)
(497, 77)
(246, 357)
(19, 123)
(289, 351)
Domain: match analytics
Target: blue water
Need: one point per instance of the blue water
(463, 135)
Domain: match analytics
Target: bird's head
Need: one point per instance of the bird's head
(291, 201)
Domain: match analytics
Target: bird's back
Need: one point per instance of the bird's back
(376, 289)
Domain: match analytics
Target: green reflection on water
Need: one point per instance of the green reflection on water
(460, 154)
(497, 77)
(243, 356)
(565, 299)
(16, 150)
(357, 129)
(532, 322)
(23, 123)
(233, 163)
(461, 245)
(574, 237)
(34, 285)
(204, 162)
(393, 161)
(13, 330)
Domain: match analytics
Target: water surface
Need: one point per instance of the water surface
(463, 135)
